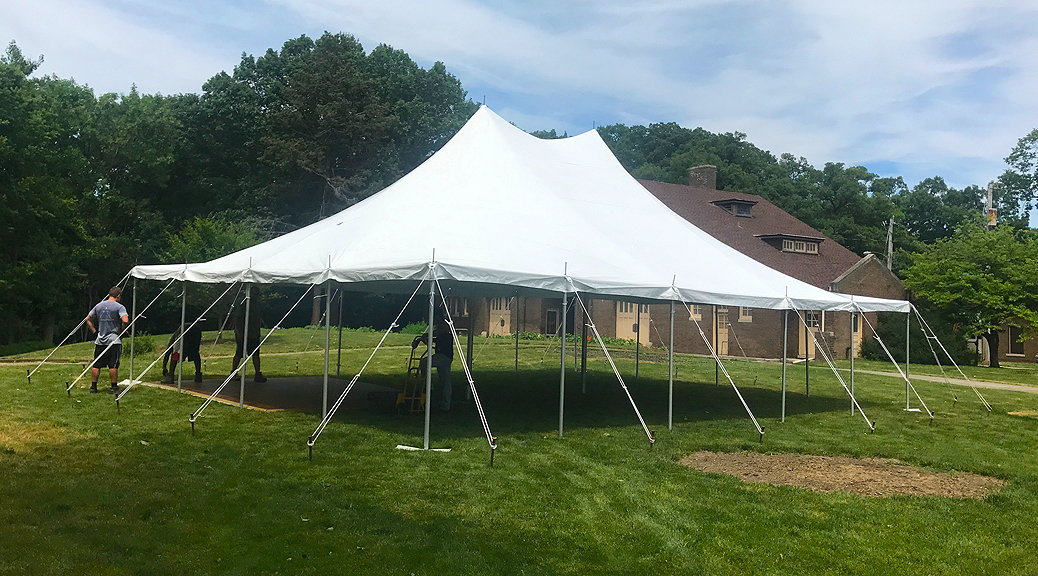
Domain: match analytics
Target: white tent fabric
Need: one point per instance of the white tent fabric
(498, 209)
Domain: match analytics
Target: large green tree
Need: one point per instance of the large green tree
(982, 279)
(1017, 192)
(43, 174)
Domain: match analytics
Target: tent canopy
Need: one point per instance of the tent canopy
(498, 211)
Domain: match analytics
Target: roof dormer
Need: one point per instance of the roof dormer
(736, 206)
(793, 242)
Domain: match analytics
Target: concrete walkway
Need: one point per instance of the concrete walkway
(956, 381)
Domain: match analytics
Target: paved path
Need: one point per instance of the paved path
(957, 381)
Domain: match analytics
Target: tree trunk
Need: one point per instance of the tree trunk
(315, 315)
(992, 338)
(48, 329)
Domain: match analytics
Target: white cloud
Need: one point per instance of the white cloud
(921, 86)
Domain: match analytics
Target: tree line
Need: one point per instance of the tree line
(93, 184)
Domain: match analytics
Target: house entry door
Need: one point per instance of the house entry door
(721, 338)
(813, 319)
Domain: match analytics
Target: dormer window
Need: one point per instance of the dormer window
(793, 243)
(737, 207)
(802, 246)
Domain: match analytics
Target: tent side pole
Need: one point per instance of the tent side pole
(327, 344)
(133, 327)
(717, 346)
(908, 326)
(562, 368)
(853, 317)
(670, 388)
(785, 347)
(338, 355)
(583, 353)
(183, 312)
(517, 334)
(807, 360)
(244, 346)
(469, 360)
(428, 361)
(637, 339)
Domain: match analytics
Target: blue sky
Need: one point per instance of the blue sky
(902, 87)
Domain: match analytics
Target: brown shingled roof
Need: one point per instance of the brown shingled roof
(695, 204)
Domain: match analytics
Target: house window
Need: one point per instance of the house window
(800, 246)
(813, 319)
(1015, 345)
(745, 314)
(741, 209)
(551, 322)
(697, 311)
(459, 306)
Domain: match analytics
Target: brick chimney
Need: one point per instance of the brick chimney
(704, 176)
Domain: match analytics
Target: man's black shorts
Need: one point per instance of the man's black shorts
(253, 345)
(109, 358)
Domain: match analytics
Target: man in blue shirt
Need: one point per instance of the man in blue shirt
(108, 319)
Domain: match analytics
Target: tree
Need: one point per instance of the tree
(1017, 193)
(982, 279)
(43, 172)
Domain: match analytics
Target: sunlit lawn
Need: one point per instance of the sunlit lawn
(86, 489)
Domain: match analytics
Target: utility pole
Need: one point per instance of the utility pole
(992, 212)
(890, 244)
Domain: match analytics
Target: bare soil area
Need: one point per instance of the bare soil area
(877, 477)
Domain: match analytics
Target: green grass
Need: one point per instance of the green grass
(85, 489)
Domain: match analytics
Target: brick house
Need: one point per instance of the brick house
(751, 225)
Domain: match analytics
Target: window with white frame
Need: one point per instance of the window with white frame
(745, 314)
(800, 246)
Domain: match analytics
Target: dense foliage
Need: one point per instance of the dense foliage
(93, 184)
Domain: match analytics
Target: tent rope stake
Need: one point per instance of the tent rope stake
(121, 334)
(172, 346)
(648, 433)
(832, 366)
(194, 415)
(491, 439)
(717, 361)
(908, 382)
(933, 335)
(328, 417)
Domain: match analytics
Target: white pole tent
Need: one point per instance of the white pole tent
(576, 204)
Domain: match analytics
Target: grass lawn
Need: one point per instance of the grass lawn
(85, 489)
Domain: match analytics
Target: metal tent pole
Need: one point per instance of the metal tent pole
(785, 348)
(852, 318)
(637, 339)
(429, 357)
(133, 327)
(717, 349)
(183, 312)
(562, 368)
(517, 334)
(338, 355)
(583, 354)
(327, 343)
(807, 359)
(670, 391)
(908, 325)
(244, 345)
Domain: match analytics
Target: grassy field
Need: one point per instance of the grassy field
(85, 489)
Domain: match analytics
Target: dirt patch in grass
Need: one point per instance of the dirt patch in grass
(878, 477)
(18, 436)
(1027, 413)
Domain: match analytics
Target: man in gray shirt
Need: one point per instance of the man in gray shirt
(108, 319)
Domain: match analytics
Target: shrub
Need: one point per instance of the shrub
(143, 345)
(415, 328)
